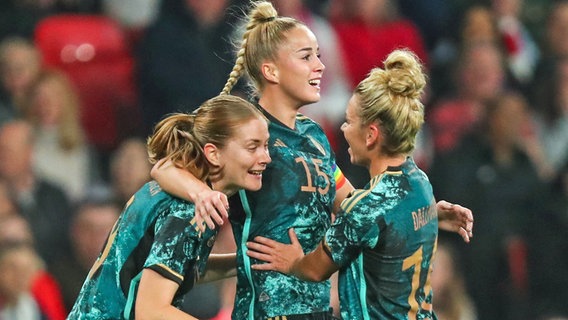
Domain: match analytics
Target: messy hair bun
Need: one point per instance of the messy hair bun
(404, 73)
(391, 98)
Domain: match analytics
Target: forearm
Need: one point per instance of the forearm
(315, 266)
(220, 266)
(176, 181)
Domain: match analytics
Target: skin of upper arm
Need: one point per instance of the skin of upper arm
(154, 298)
(315, 266)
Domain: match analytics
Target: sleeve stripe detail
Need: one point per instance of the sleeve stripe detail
(167, 272)
(356, 196)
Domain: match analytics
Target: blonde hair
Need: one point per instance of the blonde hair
(70, 129)
(391, 98)
(264, 33)
(180, 137)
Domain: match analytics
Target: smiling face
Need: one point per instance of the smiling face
(244, 157)
(355, 133)
(298, 66)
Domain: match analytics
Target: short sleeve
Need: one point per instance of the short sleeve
(175, 246)
(350, 233)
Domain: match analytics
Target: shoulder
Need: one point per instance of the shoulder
(305, 120)
(305, 124)
(361, 197)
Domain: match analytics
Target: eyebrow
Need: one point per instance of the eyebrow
(253, 140)
(308, 49)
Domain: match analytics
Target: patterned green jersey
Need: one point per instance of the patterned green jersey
(154, 231)
(298, 189)
(384, 239)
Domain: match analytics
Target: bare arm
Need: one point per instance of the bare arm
(154, 298)
(290, 258)
(220, 266)
(209, 204)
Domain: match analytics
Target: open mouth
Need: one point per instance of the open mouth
(314, 82)
(256, 172)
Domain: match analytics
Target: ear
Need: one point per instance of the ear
(373, 135)
(212, 154)
(270, 72)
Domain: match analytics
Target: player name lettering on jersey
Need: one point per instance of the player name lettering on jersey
(422, 216)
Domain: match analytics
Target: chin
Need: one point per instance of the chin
(312, 99)
(254, 185)
(355, 161)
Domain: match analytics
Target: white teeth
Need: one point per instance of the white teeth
(256, 172)
(314, 82)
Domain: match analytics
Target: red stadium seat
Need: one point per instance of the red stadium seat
(94, 51)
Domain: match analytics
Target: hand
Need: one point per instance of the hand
(279, 257)
(455, 218)
(210, 205)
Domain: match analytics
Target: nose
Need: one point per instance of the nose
(343, 125)
(265, 159)
(320, 66)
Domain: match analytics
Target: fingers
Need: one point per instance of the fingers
(203, 219)
(464, 234)
(211, 208)
(258, 253)
(293, 237)
(199, 221)
(220, 207)
(263, 267)
(445, 205)
(465, 212)
(209, 222)
(467, 219)
(212, 214)
(263, 241)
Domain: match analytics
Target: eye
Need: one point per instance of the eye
(306, 57)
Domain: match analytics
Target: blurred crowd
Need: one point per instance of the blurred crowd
(82, 82)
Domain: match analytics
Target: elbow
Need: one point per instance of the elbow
(158, 167)
(141, 313)
(154, 171)
(146, 311)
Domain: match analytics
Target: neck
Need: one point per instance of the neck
(381, 163)
(280, 106)
(218, 185)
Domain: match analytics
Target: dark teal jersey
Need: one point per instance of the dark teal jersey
(155, 231)
(298, 189)
(384, 239)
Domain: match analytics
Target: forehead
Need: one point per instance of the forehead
(352, 107)
(300, 37)
(254, 129)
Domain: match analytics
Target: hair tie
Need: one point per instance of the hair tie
(263, 20)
